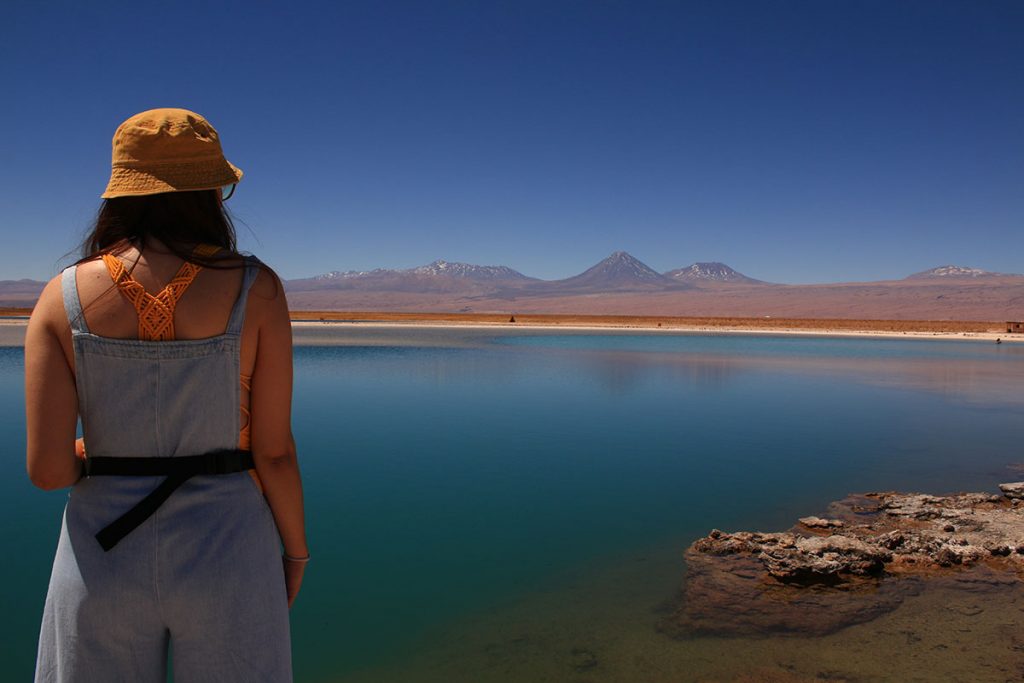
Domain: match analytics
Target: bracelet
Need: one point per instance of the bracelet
(289, 558)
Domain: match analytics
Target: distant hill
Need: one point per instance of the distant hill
(708, 272)
(619, 272)
(958, 272)
(439, 267)
(443, 276)
(471, 272)
(20, 292)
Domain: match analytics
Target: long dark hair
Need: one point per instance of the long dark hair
(180, 220)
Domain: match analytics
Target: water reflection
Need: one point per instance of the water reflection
(627, 361)
(12, 333)
(622, 372)
(959, 371)
(998, 379)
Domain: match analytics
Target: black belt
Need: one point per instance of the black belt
(177, 470)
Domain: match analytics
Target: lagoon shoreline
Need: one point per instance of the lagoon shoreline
(14, 321)
(678, 328)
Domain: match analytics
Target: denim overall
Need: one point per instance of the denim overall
(204, 572)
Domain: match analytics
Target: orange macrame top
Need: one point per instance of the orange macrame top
(156, 314)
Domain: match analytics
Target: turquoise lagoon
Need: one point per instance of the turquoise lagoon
(512, 505)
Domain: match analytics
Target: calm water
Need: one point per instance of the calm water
(488, 505)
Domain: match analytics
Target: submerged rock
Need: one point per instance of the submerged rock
(823, 560)
(1014, 490)
(583, 659)
(819, 523)
(872, 551)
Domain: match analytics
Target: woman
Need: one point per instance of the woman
(185, 484)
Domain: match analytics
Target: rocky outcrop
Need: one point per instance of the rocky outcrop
(861, 561)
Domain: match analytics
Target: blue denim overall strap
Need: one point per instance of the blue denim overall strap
(252, 269)
(73, 304)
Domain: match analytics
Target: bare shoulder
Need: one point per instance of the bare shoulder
(48, 313)
(267, 285)
(91, 268)
(266, 297)
(92, 279)
(48, 327)
(90, 272)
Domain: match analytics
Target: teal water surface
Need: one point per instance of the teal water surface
(456, 476)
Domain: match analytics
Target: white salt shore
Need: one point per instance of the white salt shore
(675, 329)
(309, 333)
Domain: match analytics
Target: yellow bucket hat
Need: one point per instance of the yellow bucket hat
(167, 150)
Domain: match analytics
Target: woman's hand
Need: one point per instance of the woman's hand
(80, 448)
(293, 571)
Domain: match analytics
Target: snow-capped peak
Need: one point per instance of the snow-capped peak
(468, 270)
(951, 271)
(346, 274)
(708, 271)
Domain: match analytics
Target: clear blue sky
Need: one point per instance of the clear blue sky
(796, 141)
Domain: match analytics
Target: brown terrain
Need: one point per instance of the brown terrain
(898, 300)
(664, 322)
(638, 321)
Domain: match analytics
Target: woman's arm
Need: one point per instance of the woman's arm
(51, 399)
(273, 447)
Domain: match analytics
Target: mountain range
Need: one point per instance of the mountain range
(621, 284)
(618, 273)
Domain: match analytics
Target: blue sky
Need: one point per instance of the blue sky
(796, 141)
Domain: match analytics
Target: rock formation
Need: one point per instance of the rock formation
(861, 561)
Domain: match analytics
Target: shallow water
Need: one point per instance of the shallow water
(513, 506)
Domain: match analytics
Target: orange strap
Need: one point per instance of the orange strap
(156, 312)
(245, 433)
